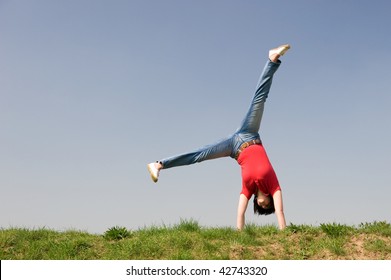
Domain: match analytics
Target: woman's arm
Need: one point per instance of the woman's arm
(243, 202)
(278, 205)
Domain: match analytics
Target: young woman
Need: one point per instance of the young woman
(258, 176)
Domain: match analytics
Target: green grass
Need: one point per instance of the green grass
(188, 240)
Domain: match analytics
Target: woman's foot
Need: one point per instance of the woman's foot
(154, 170)
(274, 54)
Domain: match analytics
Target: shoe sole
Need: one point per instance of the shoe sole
(151, 173)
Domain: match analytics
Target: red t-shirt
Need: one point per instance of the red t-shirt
(257, 172)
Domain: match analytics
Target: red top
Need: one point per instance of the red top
(257, 172)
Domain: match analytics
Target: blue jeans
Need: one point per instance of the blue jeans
(247, 131)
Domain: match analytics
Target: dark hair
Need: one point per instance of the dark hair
(261, 211)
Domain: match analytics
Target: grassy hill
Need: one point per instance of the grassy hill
(188, 240)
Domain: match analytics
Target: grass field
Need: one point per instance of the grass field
(188, 240)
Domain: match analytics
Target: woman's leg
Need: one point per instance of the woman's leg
(219, 149)
(252, 120)
(223, 148)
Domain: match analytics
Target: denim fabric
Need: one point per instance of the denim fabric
(247, 131)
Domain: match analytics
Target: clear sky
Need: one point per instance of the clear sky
(92, 91)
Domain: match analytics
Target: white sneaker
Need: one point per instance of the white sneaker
(153, 171)
(281, 50)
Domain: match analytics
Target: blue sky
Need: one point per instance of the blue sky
(92, 91)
